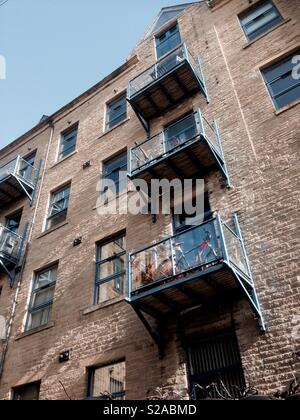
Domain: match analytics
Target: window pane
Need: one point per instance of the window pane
(27, 393)
(116, 112)
(283, 88)
(112, 267)
(257, 13)
(282, 84)
(42, 297)
(45, 278)
(112, 170)
(180, 132)
(68, 143)
(111, 289)
(40, 318)
(288, 97)
(167, 41)
(112, 248)
(260, 19)
(109, 380)
(59, 203)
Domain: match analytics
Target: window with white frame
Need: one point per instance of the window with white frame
(116, 112)
(58, 208)
(110, 269)
(41, 301)
(259, 18)
(68, 142)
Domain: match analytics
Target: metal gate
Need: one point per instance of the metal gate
(215, 368)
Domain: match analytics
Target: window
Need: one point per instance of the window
(224, 367)
(110, 269)
(259, 19)
(13, 222)
(68, 142)
(182, 222)
(116, 112)
(41, 298)
(108, 382)
(168, 41)
(180, 132)
(27, 392)
(112, 170)
(283, 87)
(58, 209)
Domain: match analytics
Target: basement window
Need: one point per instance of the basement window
(116, 112)
(68, 142)
(41, 301)
(58, 209)
(108, 382)
(283, 80)
(110, 269)
(259, 18)
(217, 376)
(30, 392)
(168, 41)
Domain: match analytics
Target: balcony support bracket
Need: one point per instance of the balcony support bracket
(10, 273)
(156, 334)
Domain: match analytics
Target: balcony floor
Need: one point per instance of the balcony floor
(11, 190)
(163, 93)
(188, 290)
(191, 159)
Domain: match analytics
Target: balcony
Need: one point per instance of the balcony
(11, 245)
(202, 265)
(191, 146)
(173, 78)
(17, 179)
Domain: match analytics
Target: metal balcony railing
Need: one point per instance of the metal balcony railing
(191, 129)
(10, 244)
(172, 79)
(20, 169)
(211, 251)
(200, 246)
(165, 65)
(17, 177)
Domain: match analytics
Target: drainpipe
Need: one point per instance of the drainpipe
(20, 276)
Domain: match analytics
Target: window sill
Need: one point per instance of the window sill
(47, 232)
(64, 159)
(103, 305)
(35, 331)
(266, 33)
(114, 128)
(287, 107)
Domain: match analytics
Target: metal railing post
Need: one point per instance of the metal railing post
(201, 122)
(239, 234)
(222, 237)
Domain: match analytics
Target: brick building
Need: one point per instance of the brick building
(125, 304)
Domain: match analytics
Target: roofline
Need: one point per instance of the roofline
(149, 29)
(48, 121)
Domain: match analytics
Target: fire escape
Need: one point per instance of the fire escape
(208, 262)
(18, 179)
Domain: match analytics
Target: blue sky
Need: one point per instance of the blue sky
(56, 49)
